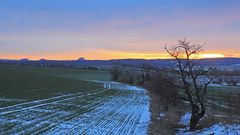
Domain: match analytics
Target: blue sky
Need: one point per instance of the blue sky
(59, 29)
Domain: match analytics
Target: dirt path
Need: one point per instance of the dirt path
(94, 112)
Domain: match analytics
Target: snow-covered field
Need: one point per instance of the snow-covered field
(216, 129)
(125, 112)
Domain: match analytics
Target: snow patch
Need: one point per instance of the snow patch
(217, 129)
(10, 100)
(143, 123)
(118, 86)
(185, 119)
(162, 114)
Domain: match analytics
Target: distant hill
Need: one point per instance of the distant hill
(222, 63)
(81, 59)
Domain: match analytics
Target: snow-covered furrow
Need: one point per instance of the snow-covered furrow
(22, 106)
(125, 121)
(124, 111)
(34, 116)
(37, 123)
(74, 96)
(56, 121)
(3, 99)
(112, 117)
(120, 115)
(84, 120)
(55, 125)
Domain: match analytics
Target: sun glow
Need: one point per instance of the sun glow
(211, 55)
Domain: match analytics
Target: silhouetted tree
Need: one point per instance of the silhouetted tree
(127, 77)
(194, 79)
(116, 73)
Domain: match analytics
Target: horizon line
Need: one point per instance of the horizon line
(111, 59)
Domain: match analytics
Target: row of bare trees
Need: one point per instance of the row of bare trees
(131, 76)
(162, 85)
(231, 78)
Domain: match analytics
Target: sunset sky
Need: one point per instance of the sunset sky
(111, 29)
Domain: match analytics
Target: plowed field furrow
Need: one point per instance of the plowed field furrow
(115, 109)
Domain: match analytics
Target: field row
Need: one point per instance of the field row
(114, 109)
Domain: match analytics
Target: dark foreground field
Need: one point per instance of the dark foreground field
(21, 83)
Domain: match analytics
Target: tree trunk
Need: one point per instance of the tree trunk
(197, 114)
(193, 122)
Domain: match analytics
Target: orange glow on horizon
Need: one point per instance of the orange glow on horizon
(106, 55)
(211, 55)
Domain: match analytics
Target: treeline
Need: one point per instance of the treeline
(231, 78)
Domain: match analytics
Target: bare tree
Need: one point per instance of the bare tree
(162, 85)
(116, 73)
(147, 70)
(140, 78)
(127, 77)
(194, 79)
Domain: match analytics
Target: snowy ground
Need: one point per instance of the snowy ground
(217, 129)
(126, 112)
